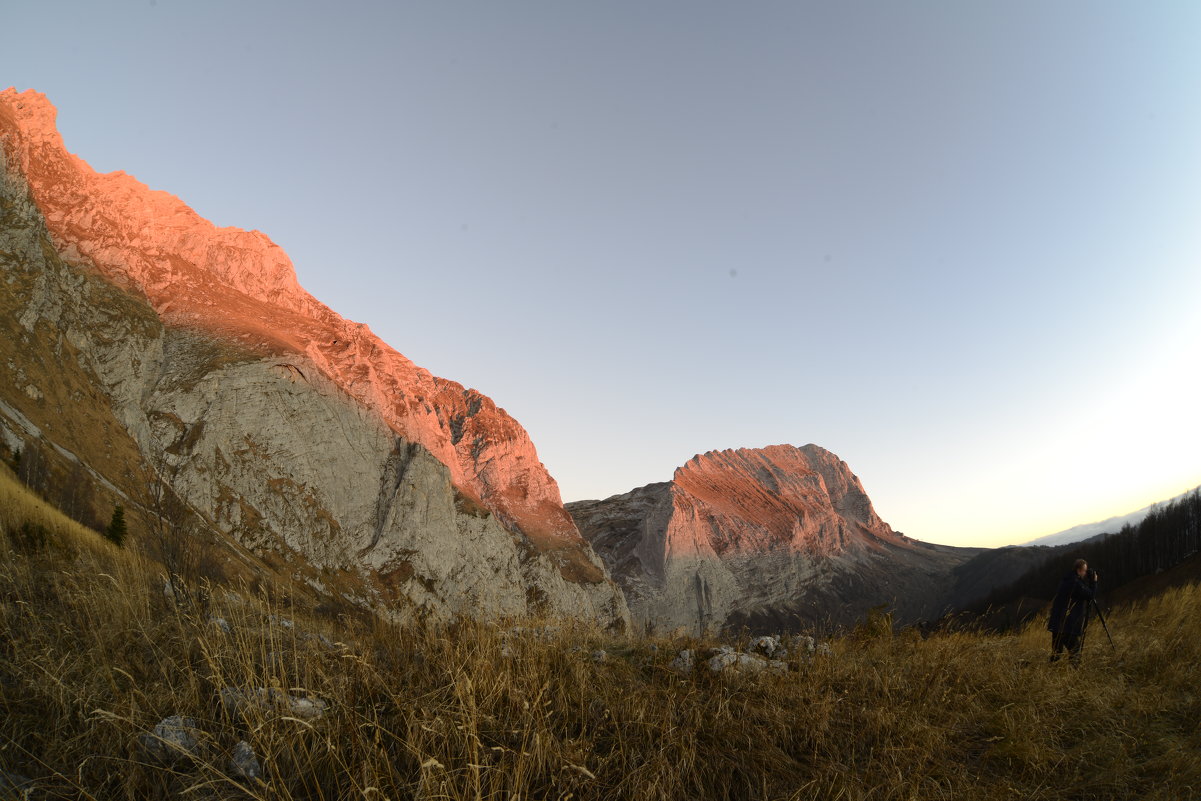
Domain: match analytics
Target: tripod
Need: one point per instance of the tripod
(1101, 617)
(1094, 607)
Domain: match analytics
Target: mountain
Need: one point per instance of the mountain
(145, 344)
(776, 538)
(1108, 526)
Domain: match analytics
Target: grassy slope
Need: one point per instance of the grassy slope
(21, 510)
(92, 654)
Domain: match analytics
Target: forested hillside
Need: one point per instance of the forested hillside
(1165, 538)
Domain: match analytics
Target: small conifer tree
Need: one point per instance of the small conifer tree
(116, 530)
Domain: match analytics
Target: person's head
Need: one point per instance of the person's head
(1081, 568)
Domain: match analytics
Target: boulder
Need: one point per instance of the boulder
(174, 738)
(244, 764)
(768, 646)
(730, 663)
(264, 700)
(684, 662)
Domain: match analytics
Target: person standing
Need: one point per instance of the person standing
(1069, 612)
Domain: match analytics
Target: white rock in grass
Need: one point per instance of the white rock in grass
(266, 699)
(735, 663)
(599, 656)
(731, 662)
(173, 738)
(307, 708)
(771, 647)
(684, 662)
(233, 699)
(244, 764)
(221, 624)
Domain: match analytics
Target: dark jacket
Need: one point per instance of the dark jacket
(1069, 610)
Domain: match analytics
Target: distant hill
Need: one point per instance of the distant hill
(1108, 526)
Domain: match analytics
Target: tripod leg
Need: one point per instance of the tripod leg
(1101, 617)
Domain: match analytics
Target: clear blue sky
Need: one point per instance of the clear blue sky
(958, 244)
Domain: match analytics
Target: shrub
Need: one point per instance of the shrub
(29, 537)
(877, 624)
(117, 531)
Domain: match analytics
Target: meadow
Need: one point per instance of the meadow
(94, 654)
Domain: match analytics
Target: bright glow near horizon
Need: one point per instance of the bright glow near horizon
(956, 244)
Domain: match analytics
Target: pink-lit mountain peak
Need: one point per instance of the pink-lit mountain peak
(764, 537)
(780, 491)
(241, 287)
(132, 232)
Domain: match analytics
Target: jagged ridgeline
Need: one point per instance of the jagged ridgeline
(155, 361)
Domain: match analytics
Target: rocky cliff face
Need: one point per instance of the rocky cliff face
(197, 352)
(774, 538)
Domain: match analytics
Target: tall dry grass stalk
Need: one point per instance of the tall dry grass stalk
(93, 655)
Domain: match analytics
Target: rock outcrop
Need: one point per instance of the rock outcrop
(142, 336)
(775, 539)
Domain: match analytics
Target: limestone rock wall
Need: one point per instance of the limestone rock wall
(240, 287)
(141, 339)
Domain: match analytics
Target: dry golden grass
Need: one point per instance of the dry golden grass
(23, 515)
(92, 655)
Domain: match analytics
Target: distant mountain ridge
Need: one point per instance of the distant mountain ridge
(1108, 526)
(1157, 552)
